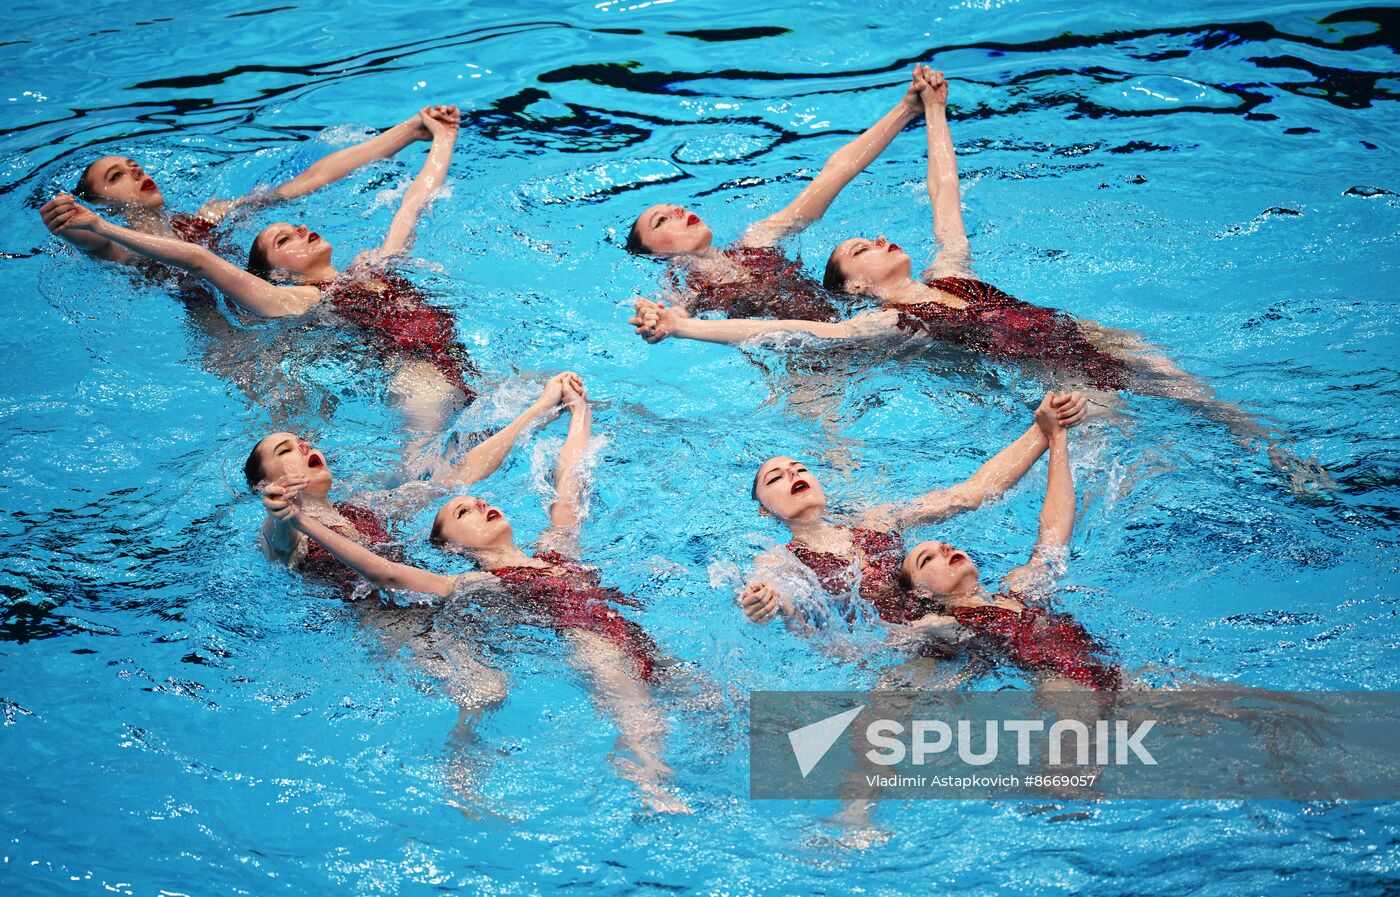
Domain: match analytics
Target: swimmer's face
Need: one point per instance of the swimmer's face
(121, 182)
(467, 522)
(867, 263)
(939, 568)
(667, 230)
(287, 454)
(293, 248)
(788, 491)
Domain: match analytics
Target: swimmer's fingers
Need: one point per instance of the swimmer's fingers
(290, 481)
(648, 320)
(937, 91)
(767, 611)
(435, 125)
(657, 330)
(1071, 407)
(553, 392)
(913, 94)
(52, 210)
(645, 327)
(759, 602)
(1047, 416)
(65, 213)
(770, 609)
(283, 505)
(447, 114)
(575, 395)
(565, 378)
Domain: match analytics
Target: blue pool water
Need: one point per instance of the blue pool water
(180, 717)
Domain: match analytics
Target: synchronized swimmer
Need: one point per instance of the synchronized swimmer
(929, 598)
(290, 268)
(948, 305)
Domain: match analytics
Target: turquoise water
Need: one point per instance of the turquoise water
(182, 718)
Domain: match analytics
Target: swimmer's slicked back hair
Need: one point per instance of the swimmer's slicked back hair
(83, 190)
(634, 243)
(906, 579)
(253, 470)
(435, 538)
(258, 265)
(834, 280)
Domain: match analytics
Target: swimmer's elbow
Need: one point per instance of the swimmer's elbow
(963, 499)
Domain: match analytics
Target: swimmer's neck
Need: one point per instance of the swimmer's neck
(324, 274)
(709, 260)
(815, 530)
(978, 597)
(155, 222)
(494, 557)
(905, 291)
(314, 504)
(974, 597)
(709, 253)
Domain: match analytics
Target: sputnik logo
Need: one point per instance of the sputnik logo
(810, 743)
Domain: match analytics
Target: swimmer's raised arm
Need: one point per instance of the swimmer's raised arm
(566, 510)
(843, 165)
(1000, 472)
(954, 252)
(248, 290)
(654, 321)
(442, 122)
(278, 537)
(326, 170)
(56, 210)
(1057, 513)
(380, 571)
(762, 598)
(484, 459)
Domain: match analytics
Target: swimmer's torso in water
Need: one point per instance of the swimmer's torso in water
(191, 229)
(400, 320)
(776, 288)
(879, 555)
(1001, 326)
(576, 599)
(1041, 640)
(365, 526)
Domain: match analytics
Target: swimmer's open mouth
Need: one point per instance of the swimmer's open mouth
(314, 460)
(692, 219)
(893, 247)
(800, 486)
(956, 557)
(148, 185)
(312, 237)
(493, 514)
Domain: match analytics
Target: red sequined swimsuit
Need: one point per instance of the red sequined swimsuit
(576, 599)
(366, 527)
(1001, 326)
(191, 229)
(879, 556)
(777, 288)
(400, 320)
(1041, 640)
